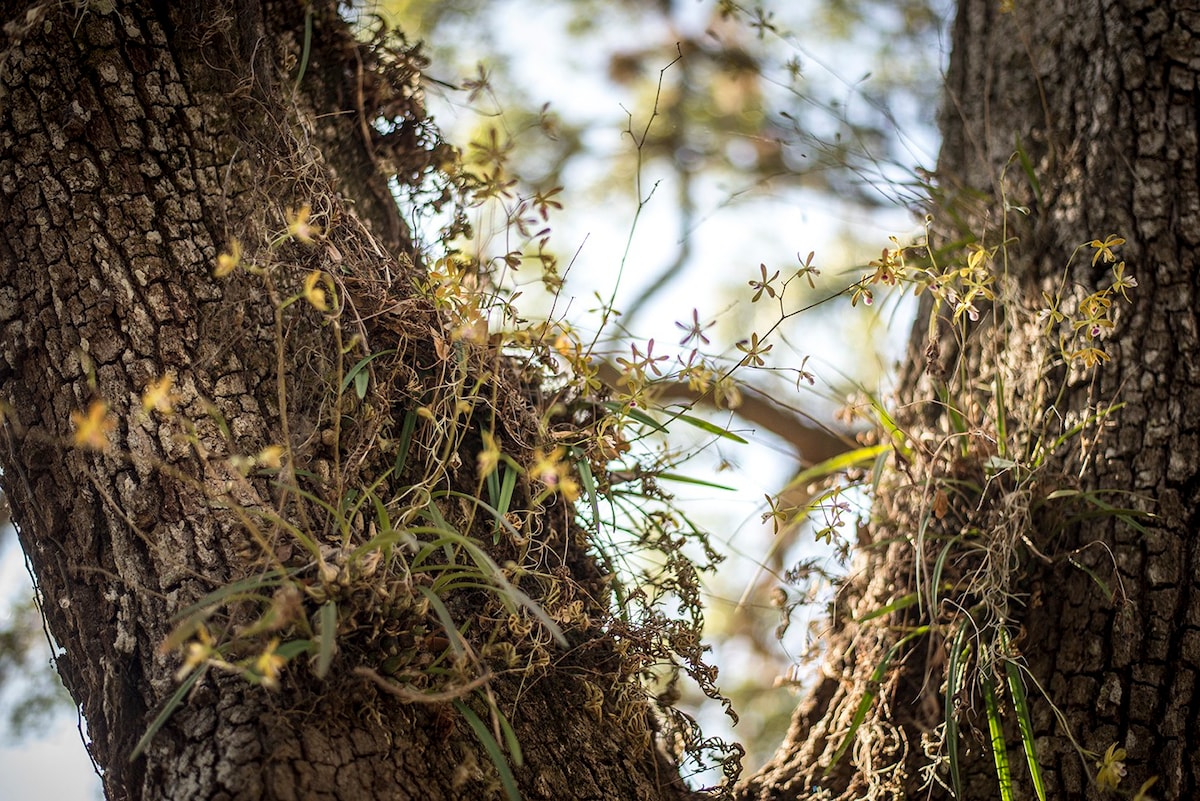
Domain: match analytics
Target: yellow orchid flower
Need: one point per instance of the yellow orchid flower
(314, 294)
(92, 429)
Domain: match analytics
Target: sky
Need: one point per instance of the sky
(50, 762)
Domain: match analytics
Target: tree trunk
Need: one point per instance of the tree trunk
(138, 141)
(1101, 99)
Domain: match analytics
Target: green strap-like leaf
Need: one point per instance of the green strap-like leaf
(507, 780)
(999, 749)
(168, 709)
(954, 680)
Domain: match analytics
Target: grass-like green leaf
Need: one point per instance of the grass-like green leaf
(689, 480)
(498, 515)
(711, 428)
(864, 705)
(1101, 509)
(996, 731)
(306, 50)
(895, 433)
(326, 637)
(1030, 172)
(385, 540)
(443, 616)
(903, 602)
(510, 738)
(293, 648)
(1001, 414)
(939, 566)
(588, 482)
(1016, 688)
(488, 573)
(955, 673)
(406, 434)
(168, 709)
(506, 490)
(636, 414)
(1101, 583)
(359, 369)
(507, 780)
(958, 423)
(236, 589)
(858, 457)
(1080, 426)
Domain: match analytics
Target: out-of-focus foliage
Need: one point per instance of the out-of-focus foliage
(28, 691)
(750, 95)
(817, 103)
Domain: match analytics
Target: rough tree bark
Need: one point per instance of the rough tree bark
(136, 141)
(1103, 98)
